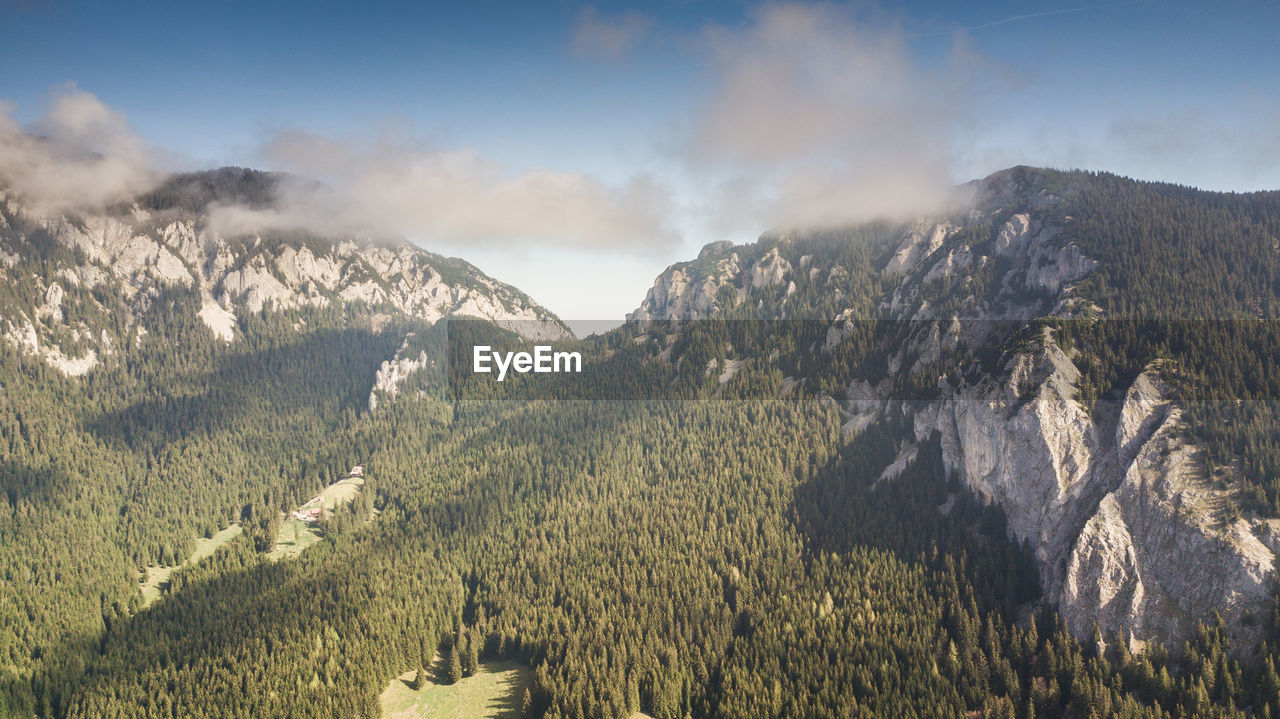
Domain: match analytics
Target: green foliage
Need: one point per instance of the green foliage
(195, 192)
(456, 672)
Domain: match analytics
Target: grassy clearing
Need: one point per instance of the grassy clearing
(341, 492)
(296, 535)
(494, 692)
(158, 577)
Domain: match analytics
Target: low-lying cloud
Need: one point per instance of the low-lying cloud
(816, 119)
(80, 154)
(452, 197)
(812, 119)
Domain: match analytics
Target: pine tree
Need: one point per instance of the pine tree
(455, 666)
(420, 679)
(471, 655)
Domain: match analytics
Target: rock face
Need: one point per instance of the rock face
(688, 291)
(1160, 551)
(1035, 462)
(393, 373)
(1113, 499)
(695, 290)
(918, 242)
(111, 267)
(1127, 530)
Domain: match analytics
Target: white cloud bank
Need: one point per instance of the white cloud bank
(818, 120)
(454, 198)
(79, 154)
(82, 155)
(813, 119)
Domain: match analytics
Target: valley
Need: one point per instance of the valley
(941, 468)
(684, 360)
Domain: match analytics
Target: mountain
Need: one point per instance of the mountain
(1135, 524)
(163, 381)
(78, 285)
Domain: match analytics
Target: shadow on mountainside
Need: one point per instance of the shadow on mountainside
(920, 516)
(316, 376)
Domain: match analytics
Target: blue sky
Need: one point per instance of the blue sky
(639, 129)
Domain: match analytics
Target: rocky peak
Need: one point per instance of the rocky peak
(712, 249)
(769, 270)
(694, 290)
(689, 290)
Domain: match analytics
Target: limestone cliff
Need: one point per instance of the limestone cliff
(717, 280)
(1115, 500)
(394, 372)
(1113, 496)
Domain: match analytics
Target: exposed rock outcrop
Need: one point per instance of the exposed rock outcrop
(393, 373)
(688, 291)
(769, 270)
(920, 240)
(695, 290)
(1112, 497)
(1128, 532)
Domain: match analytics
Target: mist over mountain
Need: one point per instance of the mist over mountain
(923, 360)
(97, 276)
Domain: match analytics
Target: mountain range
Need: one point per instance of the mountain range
(1018, 458)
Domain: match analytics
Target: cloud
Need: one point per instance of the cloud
(595, 37)
(457, 198)
(818, 120)
(80, 155)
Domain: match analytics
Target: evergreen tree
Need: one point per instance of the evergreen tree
(455, 666)
(420, 679)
